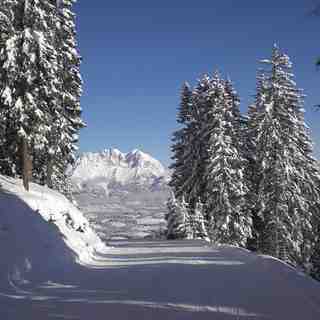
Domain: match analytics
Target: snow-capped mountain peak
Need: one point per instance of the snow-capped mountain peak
(139, 159)
(112, 155)
(112, 168)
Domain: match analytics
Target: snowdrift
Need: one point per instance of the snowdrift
(40, 231)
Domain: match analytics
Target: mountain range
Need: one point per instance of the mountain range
(111, 171)
(122, 194)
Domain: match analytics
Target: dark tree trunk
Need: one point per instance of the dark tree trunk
(49, 173)
(26, 164)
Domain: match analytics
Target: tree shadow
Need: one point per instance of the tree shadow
(31, 248)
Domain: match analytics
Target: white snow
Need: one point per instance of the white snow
(149, 221)
(117, 224)
(48, 270)
(113, 167)
(19, 104)
(115, 187)
(7, 96)
(42, 225)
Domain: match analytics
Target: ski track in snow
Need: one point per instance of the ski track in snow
(168, 280)
(54, 270)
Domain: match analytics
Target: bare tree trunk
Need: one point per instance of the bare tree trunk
(26, 164)
(49, 173)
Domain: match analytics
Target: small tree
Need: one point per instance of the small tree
(177, 219)
(199, 225)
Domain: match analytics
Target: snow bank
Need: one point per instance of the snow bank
(41, 230)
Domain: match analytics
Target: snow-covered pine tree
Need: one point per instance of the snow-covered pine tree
(6, 31)
(250, 133)
(225, 189)
(196, 147)
(65, 135)
(314, 266)
(198, 222)
(28, 80)
(177, 218)
(189, 153)
(66, 114)
(189, 221)
(40, 88)
(180, 138)
(237, 119)
(288, 194)
(185, 109)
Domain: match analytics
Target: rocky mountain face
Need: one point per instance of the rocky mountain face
(112, 171)
(122, 194)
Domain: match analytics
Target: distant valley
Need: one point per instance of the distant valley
(122, 194)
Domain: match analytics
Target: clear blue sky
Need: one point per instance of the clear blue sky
(136, 55)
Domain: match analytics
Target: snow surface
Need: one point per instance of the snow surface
(41, 229)
(168, 280)
(48, 270)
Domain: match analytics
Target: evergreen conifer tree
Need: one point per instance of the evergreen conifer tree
(189, 151)
(28, 89)
(190, 222)
(40, 88)
(250, 134)
(63, 150)
(225, 189)
(180, 138)
(288, 194)
(196, 151)
(199, 224)
(237, 120)
(177, 219)
(314, 265)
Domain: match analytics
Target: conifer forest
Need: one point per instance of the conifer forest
(211, 211)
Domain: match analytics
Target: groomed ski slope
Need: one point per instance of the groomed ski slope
(51, 271)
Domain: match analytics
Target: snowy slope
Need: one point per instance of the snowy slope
(41, 230)
(177, 280)
(114, 170)
(52, 270)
